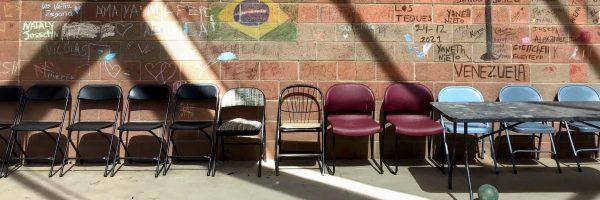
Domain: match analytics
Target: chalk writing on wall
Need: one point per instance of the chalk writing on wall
(8, 68)
(531, 52)
(431, 33)
(406, 13)
(45, 70)
(38, 30)
(59, 9)
(162, 71)
(491, 72)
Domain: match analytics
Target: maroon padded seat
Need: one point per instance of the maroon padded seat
(407, 105)
(349, 109)
(353, 125)
(415, 125)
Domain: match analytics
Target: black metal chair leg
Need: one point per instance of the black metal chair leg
(117, 157)
(56, 148)
(277, 146)
(108, 154)
(397, 157)
(160, 152)
(66, 157)
(260, 158)
(493, 154)
(380, 153)
(554, 151)
(446, 152)
(333, 153)
(573, 149)
(537, 156)
(7, 154)
(512, 153)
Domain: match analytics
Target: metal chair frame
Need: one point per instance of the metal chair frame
(371, 142)
(574, 149)
(200, 131)
(74, 120)
(491, 138)
(18, 99)
(300, 101)
(14, 137)
(533, 135)
(220, 138)
(160, 140)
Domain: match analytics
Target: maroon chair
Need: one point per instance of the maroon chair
(406, 107)
(349, 109)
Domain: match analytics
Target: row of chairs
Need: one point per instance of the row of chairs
(137, 95)
(349, 109)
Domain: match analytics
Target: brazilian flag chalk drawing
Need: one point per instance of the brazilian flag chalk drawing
(257, 19)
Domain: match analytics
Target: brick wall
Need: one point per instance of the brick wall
(277, 43)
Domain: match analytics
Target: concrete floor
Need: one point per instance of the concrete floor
(353, 180)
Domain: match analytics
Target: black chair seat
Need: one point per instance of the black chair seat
(190, 125)
(89, 126)
(35, 126)
(140, 126)
(4, 125)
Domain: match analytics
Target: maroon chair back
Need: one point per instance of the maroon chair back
(407, 98)
(349, 98)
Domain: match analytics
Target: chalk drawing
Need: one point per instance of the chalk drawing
(408, 39)
(226, 56)
(79, 30)
(525, 40)
(162, 71)
(112, 69)
(110, 56)
(574, 54)
(8, 68)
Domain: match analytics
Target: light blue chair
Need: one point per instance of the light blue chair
(467, 94)
(578, 92)
(522, 93)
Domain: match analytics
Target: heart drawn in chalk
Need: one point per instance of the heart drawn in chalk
(161, 71)
(122, 28)
(112, 69)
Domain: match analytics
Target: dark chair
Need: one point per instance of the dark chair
(300, 110)
(576, 92)
(140, 94)
(523, 93)
(10, 94)
(94, 94)
(40, 93)
(248, 98)
(350, 110)
(406, 107)
(198, 93)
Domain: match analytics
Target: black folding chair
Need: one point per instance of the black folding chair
(138, 94)
(300, 110)
(242, 97)
(197, 93)
(40, 93)
(10, 94)
(97, 94)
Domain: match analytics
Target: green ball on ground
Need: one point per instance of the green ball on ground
(487, 192)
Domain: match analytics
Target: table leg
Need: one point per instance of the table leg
(467, 146)
(451, 156)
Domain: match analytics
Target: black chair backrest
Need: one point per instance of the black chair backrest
(43, 92)
(300, 104)
(197, 92)
(99, 92)
(150, 92)
(10, 93)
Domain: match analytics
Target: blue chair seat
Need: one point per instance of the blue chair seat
(474, 128)
(584, 128)
(532, 127)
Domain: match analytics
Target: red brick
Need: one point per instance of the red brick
(360, 71)
(499, 14)
(239, 70)
(395, 71)
(519, 14)
(374, 13)
(433, 71)
(578, 73)
(452, 14)
(336, 13)
(307, 13)
(413, 13)
(279, 70)
(9, 10)
(318, 71)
